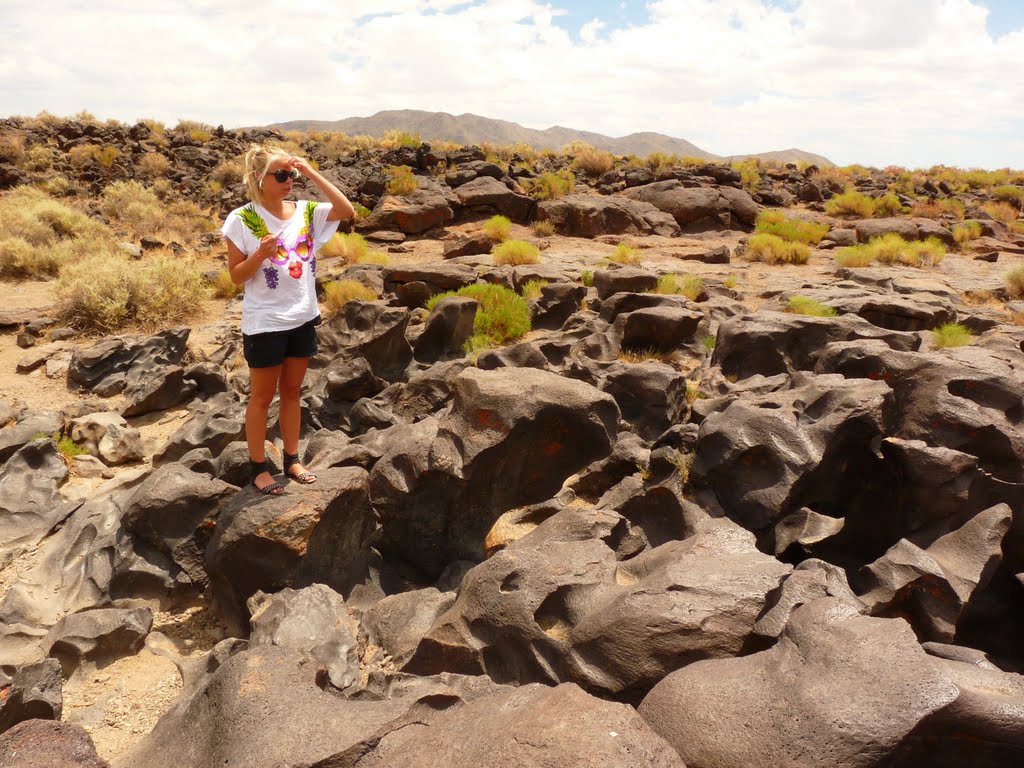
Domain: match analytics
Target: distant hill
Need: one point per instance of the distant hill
(473, 129)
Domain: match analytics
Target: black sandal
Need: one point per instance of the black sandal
(256, 468)
(304, 477)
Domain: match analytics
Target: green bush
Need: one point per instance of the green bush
(969, 230)
(888, 205)
(804, 305)
(791, 230)
(772, 249)
(625, 254)
(893, 249)
(498, 228)
(851, 203)
(502, 316)
(550, 185)
(532, 288)
(401, 180)
(516, 252)
(686, 285)
(1010, 194)
(951, 335)
(587, 277)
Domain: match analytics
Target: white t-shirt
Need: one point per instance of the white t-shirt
(281, 294)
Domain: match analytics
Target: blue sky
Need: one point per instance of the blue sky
(878, 82)
(1004, 15)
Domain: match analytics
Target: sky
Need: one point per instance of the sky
(878, 82)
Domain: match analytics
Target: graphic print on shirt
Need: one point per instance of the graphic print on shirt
(294, 255)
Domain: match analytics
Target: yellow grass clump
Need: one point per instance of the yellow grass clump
(516, 252)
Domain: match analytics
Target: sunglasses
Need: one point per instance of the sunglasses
(283, 176)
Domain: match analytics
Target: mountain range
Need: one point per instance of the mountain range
(474, 129)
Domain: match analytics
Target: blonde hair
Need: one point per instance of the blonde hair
(257, 161)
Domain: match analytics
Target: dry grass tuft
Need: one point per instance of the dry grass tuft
(516, 252)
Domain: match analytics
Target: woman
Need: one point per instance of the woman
(272, 245)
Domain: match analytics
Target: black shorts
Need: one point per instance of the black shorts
(265, 350)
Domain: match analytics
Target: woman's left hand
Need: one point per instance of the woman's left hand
(302, 166)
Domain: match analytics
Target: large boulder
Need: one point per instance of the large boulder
(839, 690)
(318, 534)
(99, 635)
(30, 503)
(489, 192)
(412, 214)
(699, 208)
(31, 691)
(370, 331)
(591, 215)
(48, 744)
(556, 605)
(533, 726)
(415, 283)
(118, 362)
(511, 438)
(173, 511)
(768, 343)
(766, 456)
(214, 425)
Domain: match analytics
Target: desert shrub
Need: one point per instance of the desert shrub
(502, 316)
(338, 293)
(56, 185)
(686, 285)
(532, 288)
(516, 252)
(888, 205)
(12, 148)
(587, 277)
(107, 155)
(544, 228)
(361, 211)
(851, 203)
(855, 256)
(951, 335)
(641, 355)
(152, 165)
(39, 235)
(1014, 280)
(194, 130)
(39, 158)
(805, 305)
(106, 293)
(136, 207)
(393, 139)
(1010, 194)
(937, 209)
(224, 287)
(772, 249)
(83, 155)
(591, 160)
(625, 254)
(401, 181)
(893, 249)
(351, 247)
(750, 173)
(380, 258)
(498, 228)
(550, 185)
(1000, 211)
(969, 230)
(228, 172)
(793, 230)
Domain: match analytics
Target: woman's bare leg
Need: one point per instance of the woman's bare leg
(293, 371)
(262, 385)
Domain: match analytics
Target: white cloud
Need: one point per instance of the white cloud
(914, 82)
